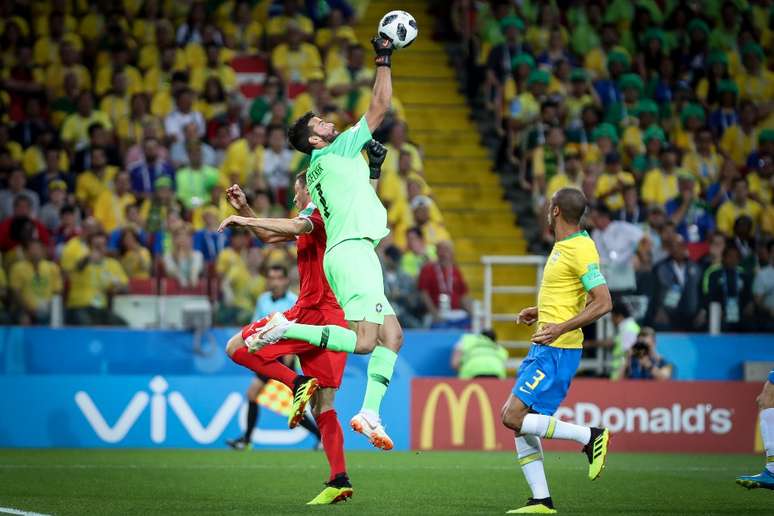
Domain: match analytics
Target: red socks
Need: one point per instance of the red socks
(269, 368)
(333, 441)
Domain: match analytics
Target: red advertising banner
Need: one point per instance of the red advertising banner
(451, 414)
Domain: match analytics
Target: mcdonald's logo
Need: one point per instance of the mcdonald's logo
(458, 414)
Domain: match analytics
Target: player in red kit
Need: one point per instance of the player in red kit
(316, 305)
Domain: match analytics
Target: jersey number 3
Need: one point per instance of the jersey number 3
(539, 375)
(324, 204)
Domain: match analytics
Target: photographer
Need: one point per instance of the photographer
(644, 363)
(479, 356)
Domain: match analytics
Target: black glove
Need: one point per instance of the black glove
(383, 48)
(376, 153)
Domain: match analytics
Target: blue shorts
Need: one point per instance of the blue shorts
(771, 377)
(544, 377)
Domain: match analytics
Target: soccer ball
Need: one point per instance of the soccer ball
(400, 27)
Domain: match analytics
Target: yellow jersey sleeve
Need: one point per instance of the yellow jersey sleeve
(587, 265)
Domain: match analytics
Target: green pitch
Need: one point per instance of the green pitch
(143, 482)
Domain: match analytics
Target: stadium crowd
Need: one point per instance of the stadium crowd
(121, 124)
(662, 113)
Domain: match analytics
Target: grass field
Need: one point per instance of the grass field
(142, 482)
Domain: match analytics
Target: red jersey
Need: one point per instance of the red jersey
(314, 289)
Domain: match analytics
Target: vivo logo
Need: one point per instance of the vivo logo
(159, 401)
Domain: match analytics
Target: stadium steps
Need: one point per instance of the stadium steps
(458, 166)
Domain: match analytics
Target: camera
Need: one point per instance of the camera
(641, 348)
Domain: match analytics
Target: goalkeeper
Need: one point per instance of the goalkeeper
(341, 185)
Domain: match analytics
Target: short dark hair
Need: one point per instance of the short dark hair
(490, 334)
(571, 203)
(94, 127)
(602, 209)
(416, 230)
(301, 177)
(275, 127)
(278, 267)
(299, 134)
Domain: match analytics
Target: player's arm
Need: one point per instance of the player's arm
(382, 93)
(599, 303)
(270, 231)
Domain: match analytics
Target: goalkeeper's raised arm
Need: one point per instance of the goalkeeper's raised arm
(382, 94)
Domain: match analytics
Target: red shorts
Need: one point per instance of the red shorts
(325, 365)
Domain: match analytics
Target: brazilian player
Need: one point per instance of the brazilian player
(573, 293)
(765, 479)
(341, 184)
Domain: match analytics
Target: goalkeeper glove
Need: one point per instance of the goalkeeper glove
(376, 153)
(383, 48)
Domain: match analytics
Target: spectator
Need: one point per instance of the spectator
(644, 362)
(178, 153)
(730, 286)
(152, 166)
(433, 232)
(196, 181)
(111, 204)
(763, 292)
(76, 247)
(626, 332)
(295, 60)
(401, 290)
(612, 181)
(132, 128)
(183, 263)
(704, 162)
(276, 163)
(57, 199)
(232, 267)
(346, 82)
(479, 356)
(692, 218)
(278, 297)
(135, 258)
(99, 137)
(617, 243)
(75, 129)
(213, 68)
(712, 261)
(5, 314)
(182, 116)
(17, 187)
(21, 226)
(417, 254)
(52, 172)
(94, 279)
(260, 109)
(131, 222)
(676, 303)
(91, 183)
(738, 141)
(444, 290)
(209, 241)
(739, 204)
(154, 211)
(34, 282)
(660, 184)
(633, 210)
(244, 157)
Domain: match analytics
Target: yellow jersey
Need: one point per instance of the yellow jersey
(36, 285)
(571, 270)
(90, 285)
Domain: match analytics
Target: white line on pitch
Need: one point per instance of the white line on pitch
(8, 510)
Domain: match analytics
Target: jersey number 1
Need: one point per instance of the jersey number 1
(322, 200)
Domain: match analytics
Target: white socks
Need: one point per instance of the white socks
(551, 428)
(767, 434)
(530, 454)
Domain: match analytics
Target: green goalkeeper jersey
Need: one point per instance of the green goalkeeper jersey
(338, 181)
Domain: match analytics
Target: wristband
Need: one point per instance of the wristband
(385, 60)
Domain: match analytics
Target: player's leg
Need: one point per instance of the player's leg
(543, 380)
(253, 411)
(263, 363)
(328, 368)
(380, 369)
(338, 486)
(765, 402)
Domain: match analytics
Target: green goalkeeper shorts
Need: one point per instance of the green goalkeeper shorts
(355, 276)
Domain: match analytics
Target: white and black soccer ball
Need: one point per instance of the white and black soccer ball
(400, 27)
